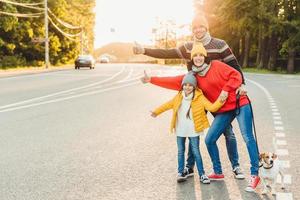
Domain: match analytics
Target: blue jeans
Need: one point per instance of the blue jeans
(231, 146)
(219, 125)
(194, 142)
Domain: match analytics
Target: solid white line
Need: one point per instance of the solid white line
(67, 98)
(62, 92)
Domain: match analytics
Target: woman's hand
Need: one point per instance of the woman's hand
(145, 78)
(241, 90)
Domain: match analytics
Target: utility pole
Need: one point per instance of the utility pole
(81, 41)
(47, 64)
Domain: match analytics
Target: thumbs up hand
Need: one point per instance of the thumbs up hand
(138, 49)
(145, 78)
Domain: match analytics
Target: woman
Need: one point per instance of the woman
(216, 79)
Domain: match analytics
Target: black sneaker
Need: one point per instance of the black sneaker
(181, 177)
(188, 172)
(204, 179)
(238, 174)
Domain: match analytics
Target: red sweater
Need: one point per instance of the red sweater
(219, 77)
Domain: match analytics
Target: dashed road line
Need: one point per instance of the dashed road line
(279, 138)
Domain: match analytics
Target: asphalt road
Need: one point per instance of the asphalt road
(87, 134)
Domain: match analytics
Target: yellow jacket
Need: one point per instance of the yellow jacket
(198, 106)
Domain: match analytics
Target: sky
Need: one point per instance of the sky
(133, 20)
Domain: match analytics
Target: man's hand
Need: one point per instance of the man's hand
(138, 49)
(153, 114)
(223, 96)
(145, 78)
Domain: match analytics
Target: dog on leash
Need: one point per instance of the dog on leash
(270, 167)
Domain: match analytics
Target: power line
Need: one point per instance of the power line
(21, 14)
(67, 25)
(22, 4)
(61, 31)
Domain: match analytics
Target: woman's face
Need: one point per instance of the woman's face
(198, 60)
(187, 88)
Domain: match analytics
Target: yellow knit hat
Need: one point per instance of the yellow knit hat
(198, 48)
(199, 20)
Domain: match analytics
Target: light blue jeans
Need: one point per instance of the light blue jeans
(194, 143)
(220, 123)
(231, 146)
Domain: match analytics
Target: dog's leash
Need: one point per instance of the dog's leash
(237, 112)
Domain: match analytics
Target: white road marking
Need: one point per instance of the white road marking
(285, 163)
(281, 142)
(280, 134)
(278, 128)
(278, 122)
(282, 152)
(62, 92)
(284, 196)
(67, 98)
(287, 179)
(276, 117)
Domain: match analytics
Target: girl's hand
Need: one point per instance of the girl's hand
(223, 96)
(153, 114)
(145, 78)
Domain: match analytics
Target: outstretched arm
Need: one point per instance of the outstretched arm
(172, 82)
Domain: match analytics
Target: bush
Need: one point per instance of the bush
(12, 61)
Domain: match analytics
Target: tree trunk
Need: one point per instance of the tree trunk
(263, 57)
(273, 52)
(247, 49)
(259, 45)
(242, 49)
(291, 61)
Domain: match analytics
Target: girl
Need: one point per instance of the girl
(189, 120)
(214, 78)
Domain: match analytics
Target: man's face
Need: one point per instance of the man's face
(199, 32)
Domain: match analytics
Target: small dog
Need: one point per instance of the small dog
(270, 167)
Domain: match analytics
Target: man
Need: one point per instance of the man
(217, 49)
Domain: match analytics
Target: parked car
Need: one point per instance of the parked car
(85, 61)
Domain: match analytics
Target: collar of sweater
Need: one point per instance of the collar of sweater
(202, 70)
(205, 39)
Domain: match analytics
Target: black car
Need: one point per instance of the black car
(85, 61)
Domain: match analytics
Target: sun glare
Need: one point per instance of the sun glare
(133, 20)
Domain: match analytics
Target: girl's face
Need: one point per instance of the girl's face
(198, 60)
(187, 88)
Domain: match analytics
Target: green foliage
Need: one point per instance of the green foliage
(16, 34)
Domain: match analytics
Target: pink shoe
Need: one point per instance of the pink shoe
(216, 177)
(253, 182)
